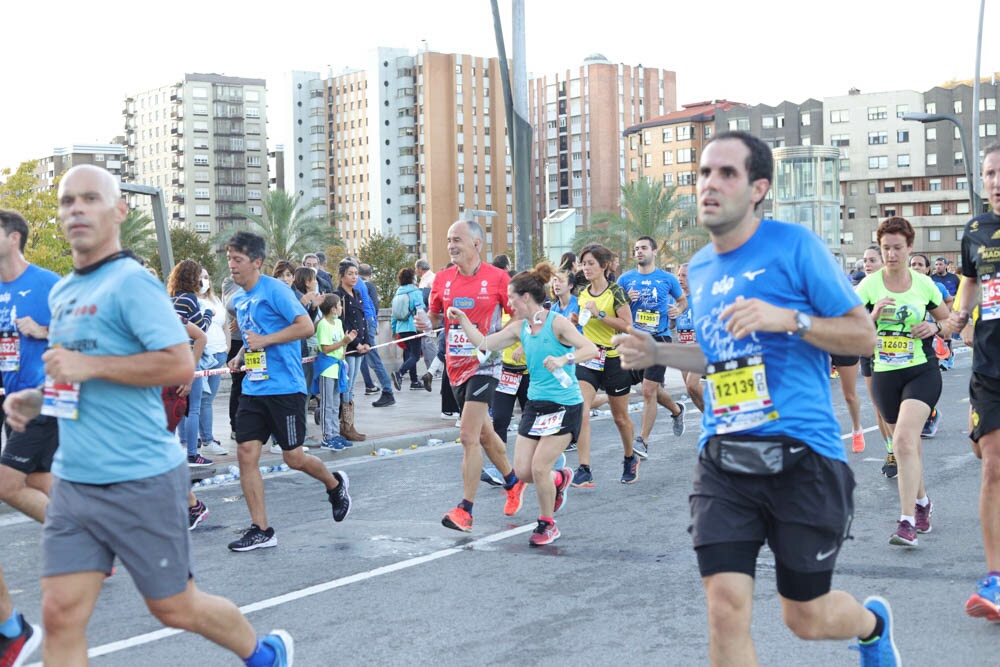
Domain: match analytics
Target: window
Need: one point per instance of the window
(202, 209)
(840, 116)
(252, 96)
(902, 136)
(930, 107)
(901, 109)
(647, 160)
(906, 186)
(934, 184)
(199, 109)
(987, 129)
(633, 142)
(958, 157)
(201, 193)
(931, 134)
(806, 119)
(767, 122)
(903, 160)
(873, 213)
(668, 180)
(876, 138)
(962, 207)
(852, 213)
(961, 183)
(685, 155)
(958, 106)
(634, 164)
(708, 132)
(848, 238)
(845, 164)
(253, 194)
(871, 187)
(877, 113)
(686, 178)
(806, 141)
(908, 210)
(199, 93)
(685, 133)
(201, 160)
(931, 159)
(201, 177)
(253, 160)
(252, 112)
(201, 126)
(253, 128)
(878, 162)
(668, 157)
(889, 186)
(987, 104)
(733, 124)
(840, 140)
(959, 233)
(933, 235)
(936, 209)
(647, 137)
(668, 135)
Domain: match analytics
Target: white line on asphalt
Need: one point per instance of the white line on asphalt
(864, 430)
(163, 633)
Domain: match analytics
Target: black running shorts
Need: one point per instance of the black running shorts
(843, 362)
(32, 450)
(282, 416)
(890, 388)
(571, 421)
(984, 395)
(614, 379)
(478, 389)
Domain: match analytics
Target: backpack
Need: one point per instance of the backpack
(401, 310)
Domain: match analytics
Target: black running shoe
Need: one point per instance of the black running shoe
(631, 470)
(339, 498)
(196, 515)
(254, 538)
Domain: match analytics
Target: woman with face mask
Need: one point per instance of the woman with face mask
(215, 349)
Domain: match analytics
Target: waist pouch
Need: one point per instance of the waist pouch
(755, 455)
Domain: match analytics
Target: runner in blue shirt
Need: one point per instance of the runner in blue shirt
(770, 304)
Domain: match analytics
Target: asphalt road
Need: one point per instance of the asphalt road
(391, 586)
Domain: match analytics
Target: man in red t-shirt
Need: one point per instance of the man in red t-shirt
(480, 290)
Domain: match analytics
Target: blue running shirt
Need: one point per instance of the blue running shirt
(25, 296)
(788, 266)
(658, 290)
(121, 434)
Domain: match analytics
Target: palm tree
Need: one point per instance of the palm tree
(290, 229)
(137, 234)
(648, 210)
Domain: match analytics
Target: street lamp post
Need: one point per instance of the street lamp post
(974, 200)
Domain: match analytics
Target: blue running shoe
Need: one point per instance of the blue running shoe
(881, 651)
(560, 462)
(931, 425)
(491, 475)
(985, 602)
(284, 647)
(336, 443)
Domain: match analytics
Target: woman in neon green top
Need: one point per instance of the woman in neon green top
(906, 382)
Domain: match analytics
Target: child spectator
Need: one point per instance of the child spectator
(330, 367)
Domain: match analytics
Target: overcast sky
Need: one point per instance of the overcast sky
(68, 67)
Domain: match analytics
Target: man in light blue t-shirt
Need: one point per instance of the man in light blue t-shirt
(769, 305)
(121, 482)
(273, 403)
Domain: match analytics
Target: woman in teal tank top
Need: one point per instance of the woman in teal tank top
(552, 416)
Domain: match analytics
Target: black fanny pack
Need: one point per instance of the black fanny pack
(755, 455)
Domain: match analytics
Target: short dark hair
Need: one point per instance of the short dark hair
(329, 302)
(344, 266)
(760, 162)
(896, 225)
(250, 244)
(992, 148)
(12, 221)
(501, 262)
(364, 270)
(321, 258)
(405, 276)
(302, 277)
(652, 241)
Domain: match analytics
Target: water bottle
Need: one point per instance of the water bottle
(234, 470)
(434, 442)
(564, 379)
(264, 470)
(384, 452)
(420, 318)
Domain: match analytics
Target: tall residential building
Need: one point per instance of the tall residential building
(404, 146)
(203, 140)
(50, 167)
(579, 118)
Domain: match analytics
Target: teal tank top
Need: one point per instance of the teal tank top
(544, 385)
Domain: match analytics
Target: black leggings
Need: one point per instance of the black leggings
(237, 389)
(503, 407)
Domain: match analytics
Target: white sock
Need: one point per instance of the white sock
(903, 517)
(923, 502)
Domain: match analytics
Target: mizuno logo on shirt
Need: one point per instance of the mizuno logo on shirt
(750, 275)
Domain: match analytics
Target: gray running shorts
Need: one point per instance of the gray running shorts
(143, 522)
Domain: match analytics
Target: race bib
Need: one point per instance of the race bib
(549, 424)
(256, 363)
(648, 319)
(597, 363)
(685, 335)
(61, 399)
(459, 344)
(895, 348)
(509, 382)
(989, 304)
(739, 394)
(10, 351)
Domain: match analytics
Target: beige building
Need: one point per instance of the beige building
(50, 167)
(203, 141)
(579, 118)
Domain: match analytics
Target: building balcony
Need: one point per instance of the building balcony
(177, 130)
(177, 147)
(177, 96)
(178, 198)
(921, 196)
(178, 215)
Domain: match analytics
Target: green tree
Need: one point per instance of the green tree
(187, 244)
(289, 227)
(387, 255)
(648, 210)
(46, 245)
(138, 235)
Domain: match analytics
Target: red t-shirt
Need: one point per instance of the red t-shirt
(483, 297)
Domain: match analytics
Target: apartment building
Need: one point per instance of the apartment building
(579, 118)
(109, 156)
(203, 141)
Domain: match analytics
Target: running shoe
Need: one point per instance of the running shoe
(834, 373)
(457, 519)
(571, 447)
(215, 448)
(889, 468)
(922, 517)
(544, 533)
(416, 386)
(198, 461)
(583, 478)
(397, 380)
(275, 448)
(931, 425)
(640, 447)
(595, 413)
(678, 420)
(905, 535)
(196, 515)
(448, 416)
(985, 602)
(561, 489)
(427, 379)
(339, 498)
(631, 469)
(881, 651)
(385, 400)
(15, 650)
(371, 391)
(858, 442)
(255, 538)
(515, 497)
(491, 475)
(284, 648)
(336, 443)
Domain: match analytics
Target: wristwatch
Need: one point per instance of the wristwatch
(570, 358)
(803, 323)
(601, 315)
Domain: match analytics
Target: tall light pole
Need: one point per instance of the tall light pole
(975, 100)
(974, 201)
